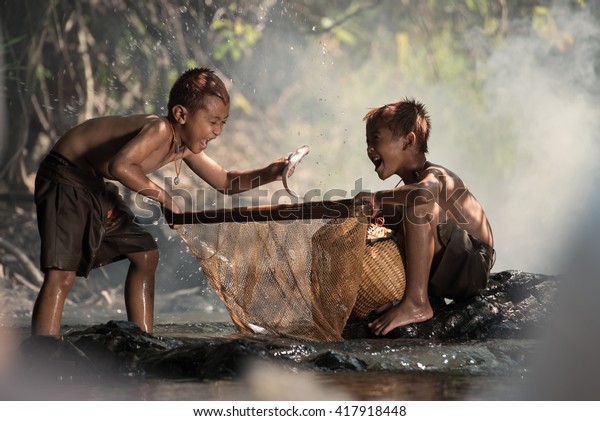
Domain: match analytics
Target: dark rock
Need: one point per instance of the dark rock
(494, 332)
(110, 349)
(223, 358)
(53, 357)
(514, 305)
(206, 360)
(335, 361)
(183, 362)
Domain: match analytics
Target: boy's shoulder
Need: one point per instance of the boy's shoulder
(124, 120)
(437, 171)
(440, 178)
(107, 128)
(109, 134)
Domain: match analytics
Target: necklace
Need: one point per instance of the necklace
(177, 167)
(416, 174)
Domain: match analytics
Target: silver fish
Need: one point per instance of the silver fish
(294, 159)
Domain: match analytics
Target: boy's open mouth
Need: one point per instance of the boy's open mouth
(204, 142)
(377, 162)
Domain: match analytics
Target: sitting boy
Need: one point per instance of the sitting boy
(444, 232)
(83, 221)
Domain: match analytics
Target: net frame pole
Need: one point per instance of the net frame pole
(329, 209)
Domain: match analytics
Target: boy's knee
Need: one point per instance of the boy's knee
(153, 255)
(60, 279)
(146, 259)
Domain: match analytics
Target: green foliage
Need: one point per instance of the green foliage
(233, 36)
(294, 65)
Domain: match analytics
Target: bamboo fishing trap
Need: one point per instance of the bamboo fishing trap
(296, 270)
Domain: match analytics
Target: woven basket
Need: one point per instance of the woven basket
(383, 277)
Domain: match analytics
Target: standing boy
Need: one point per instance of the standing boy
(82, 220)
(444, 233)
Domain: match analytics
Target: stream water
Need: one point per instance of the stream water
(397, 370)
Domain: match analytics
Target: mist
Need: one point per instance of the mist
(524, 139)
(548, 96)
(525, 146)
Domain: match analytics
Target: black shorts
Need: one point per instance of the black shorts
(465, 265)
(83, 221)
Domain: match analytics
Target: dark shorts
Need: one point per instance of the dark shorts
(464, 267)
(82, 220)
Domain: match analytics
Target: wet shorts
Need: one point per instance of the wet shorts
(83, 221)
(465, 265)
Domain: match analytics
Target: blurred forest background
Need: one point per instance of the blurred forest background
(512, 87)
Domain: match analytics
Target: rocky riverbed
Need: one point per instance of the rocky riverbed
(486, 348)
(507, 343)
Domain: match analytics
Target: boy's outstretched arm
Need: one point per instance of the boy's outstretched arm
(232, 182)
(408, 195)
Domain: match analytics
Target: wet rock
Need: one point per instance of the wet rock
(335, 361)
(114, 348)
(514, 305)
(208, 359)
(53, 357)
(492, 333)
(183, 362)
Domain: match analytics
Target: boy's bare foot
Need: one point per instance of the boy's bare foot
(383, 308)
(401, 315)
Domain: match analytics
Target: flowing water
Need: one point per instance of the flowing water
(396, 370)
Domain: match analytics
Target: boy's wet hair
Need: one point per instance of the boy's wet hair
(403, 117)
(193, 86)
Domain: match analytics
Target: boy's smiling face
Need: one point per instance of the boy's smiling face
(205, 124)
(385, 150)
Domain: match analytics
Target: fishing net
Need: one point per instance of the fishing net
(295, 270)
